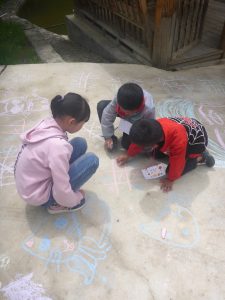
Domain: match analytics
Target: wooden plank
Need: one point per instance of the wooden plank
(165, 10)
(189, 23)
(185, 13)
(222, 41)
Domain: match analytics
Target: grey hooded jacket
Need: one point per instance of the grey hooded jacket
(109, 114)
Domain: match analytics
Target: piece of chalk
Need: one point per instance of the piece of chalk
(163, 233)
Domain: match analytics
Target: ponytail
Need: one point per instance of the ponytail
(70, 105)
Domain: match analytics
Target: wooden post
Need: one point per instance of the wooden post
(222, 43)
(148, 33)
(163, 34)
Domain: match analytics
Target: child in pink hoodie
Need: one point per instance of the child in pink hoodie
(50, 169)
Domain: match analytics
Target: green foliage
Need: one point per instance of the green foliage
(14, 46)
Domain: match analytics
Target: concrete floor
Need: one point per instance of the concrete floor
(113, 249)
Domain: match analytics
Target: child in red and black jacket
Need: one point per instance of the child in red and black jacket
(183, 140)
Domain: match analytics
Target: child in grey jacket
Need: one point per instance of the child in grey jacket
(131, 103)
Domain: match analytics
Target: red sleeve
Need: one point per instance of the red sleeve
(134, 149)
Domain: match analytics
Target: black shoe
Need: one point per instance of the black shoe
(208, 159)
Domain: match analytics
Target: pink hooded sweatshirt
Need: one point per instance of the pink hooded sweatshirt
(43, 164)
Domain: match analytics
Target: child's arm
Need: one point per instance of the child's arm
(108, 118)
(149, 111)
(132, 151)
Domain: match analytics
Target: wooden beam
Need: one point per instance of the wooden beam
(222, 43)
(163, 34)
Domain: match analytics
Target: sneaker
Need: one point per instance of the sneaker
(56, 209)
(208, 159)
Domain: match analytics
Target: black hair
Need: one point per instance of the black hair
(130, 96)
(70, 105)
(146, 132)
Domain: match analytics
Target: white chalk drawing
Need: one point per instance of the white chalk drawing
(92, 130)
(14, 128)
(7, 161)
(181, 85)
(116, 82)
(175, 85)
(84, 82)
(4, 261)
(23, 105)
(24, 288)
(173, 107)
(116, 178)
(182, 229)
(212, 87)
(78, 252)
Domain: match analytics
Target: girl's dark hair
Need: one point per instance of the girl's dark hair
(130, 96)
(70, 105)
(146, 132)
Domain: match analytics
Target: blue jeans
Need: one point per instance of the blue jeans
(82, 166)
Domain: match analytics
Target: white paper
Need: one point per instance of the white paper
(124, 126)
(154, 171)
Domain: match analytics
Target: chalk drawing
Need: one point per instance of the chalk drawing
(7, 161)
(116, 82)
(77, 252)
(24, 288)
(119, 178)
(173, 107)
(180, 86)
(175, 85)
(181, 225)
(84, 81)
(212, 87)
(15, 127)
(92, 130)
(23, 105)
(4, 261)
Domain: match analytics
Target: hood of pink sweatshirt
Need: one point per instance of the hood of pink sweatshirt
(42, 166)
(46, 129)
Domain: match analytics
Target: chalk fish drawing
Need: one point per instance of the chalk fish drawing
(210, 118)
(182, 228)
(23, 288)
(23, 105)
(78, 252)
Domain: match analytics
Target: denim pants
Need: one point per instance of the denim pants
(82, 166)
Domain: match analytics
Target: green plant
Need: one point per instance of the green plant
(14, 46)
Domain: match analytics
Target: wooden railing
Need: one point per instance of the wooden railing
(164, 28)
(128, 18)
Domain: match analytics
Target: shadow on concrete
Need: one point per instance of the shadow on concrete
(96, 214)
(185, 191)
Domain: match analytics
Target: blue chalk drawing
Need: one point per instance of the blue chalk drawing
(61, 223)
(184, 231)
(45, 244)
(69, 246)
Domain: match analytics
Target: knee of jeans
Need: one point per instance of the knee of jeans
(79, 142)
(93, 160)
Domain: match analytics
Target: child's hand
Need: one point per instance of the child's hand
(109, 144)
(166, 185)
(122, 159)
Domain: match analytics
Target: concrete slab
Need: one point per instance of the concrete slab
(113, 249)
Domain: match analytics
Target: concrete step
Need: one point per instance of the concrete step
(80, 29)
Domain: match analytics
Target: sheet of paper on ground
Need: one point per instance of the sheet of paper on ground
(154, 171)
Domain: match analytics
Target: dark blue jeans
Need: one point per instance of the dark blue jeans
(82, 166)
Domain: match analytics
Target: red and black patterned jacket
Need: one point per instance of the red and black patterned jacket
(179, 133)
